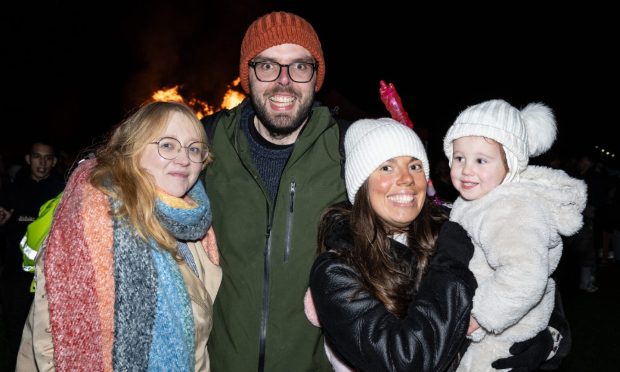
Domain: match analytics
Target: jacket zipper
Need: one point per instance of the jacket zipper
(289, 221)
(265, 304)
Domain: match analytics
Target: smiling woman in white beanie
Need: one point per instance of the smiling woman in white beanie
(515, 215)
(370, 142)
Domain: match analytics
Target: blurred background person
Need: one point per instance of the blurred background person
(20, 201)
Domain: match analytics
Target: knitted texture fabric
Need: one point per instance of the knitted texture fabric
(172, 346)
(279, 28)
(117, 302)
(269, 161)
(370, 142)
(522, 133)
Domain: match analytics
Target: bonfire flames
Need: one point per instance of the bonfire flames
(231, 99)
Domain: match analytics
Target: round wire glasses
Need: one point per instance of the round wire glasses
(169, 148)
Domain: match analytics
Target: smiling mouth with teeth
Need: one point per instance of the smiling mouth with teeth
(402, 198)
(282, 100)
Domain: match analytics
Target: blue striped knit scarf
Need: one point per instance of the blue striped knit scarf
(153, 323)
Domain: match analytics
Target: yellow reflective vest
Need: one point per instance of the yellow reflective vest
(36, 232)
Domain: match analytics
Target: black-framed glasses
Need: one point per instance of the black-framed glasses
(299, 72)
(169, 148)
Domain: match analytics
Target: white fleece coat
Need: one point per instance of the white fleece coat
(516, 231)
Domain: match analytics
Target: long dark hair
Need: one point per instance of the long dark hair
(382, 271)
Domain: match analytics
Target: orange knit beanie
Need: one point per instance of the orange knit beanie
(279, 28)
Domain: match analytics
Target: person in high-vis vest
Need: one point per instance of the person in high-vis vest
(34, 184)
(36, 232)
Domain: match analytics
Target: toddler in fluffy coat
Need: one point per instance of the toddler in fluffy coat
(515, 215)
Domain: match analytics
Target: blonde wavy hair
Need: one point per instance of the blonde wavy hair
(118, 173)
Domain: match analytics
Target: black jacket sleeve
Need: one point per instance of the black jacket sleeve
(370, 338)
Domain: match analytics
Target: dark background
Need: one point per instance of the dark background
(74, 69)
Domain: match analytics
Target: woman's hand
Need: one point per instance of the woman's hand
(454, 247)
(528, 355)
(310, 310)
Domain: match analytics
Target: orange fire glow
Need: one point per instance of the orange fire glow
(231, 99)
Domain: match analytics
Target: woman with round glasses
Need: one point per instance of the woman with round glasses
(124, 283)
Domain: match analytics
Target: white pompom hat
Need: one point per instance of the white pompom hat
(523, 134)
(370, 142)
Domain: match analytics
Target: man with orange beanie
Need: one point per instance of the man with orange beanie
(277, 166)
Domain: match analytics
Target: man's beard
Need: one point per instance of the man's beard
(282, 125)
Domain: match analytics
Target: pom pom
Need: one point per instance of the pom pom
(540, 126)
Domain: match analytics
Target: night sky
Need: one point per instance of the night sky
(72, 71)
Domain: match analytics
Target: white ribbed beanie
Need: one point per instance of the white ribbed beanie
(523, 134)
(370, 142)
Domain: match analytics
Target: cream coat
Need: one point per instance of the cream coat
(516, 230)
(36, 350)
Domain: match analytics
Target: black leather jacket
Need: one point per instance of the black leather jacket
(364, 333)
